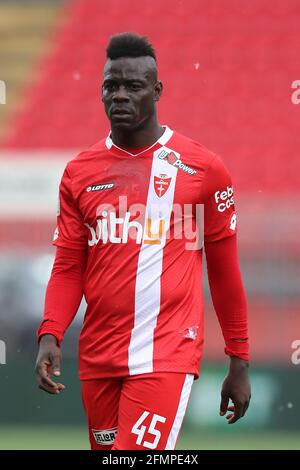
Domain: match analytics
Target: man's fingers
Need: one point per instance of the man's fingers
(237, 413)
(224, 404)
(50, 389)
(43, 375)
(56, 365)
(238, 410)
(47, 381)
(44, 381)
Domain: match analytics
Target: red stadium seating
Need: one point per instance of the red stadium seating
(227, 69)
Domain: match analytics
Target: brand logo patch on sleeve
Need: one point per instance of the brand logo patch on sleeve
(105, 437)
(100, 187)
(224, 199)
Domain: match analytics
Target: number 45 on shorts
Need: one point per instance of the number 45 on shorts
(140, 429)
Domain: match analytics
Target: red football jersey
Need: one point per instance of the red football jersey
(136, 214)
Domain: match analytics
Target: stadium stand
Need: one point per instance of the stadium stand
(24, 32)
(232, 79)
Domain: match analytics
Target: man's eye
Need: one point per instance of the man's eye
(109, 86)
(135, 86)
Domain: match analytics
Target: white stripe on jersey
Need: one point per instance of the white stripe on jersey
(183, 402)
(149, 270)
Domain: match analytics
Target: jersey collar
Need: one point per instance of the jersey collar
(164, 138)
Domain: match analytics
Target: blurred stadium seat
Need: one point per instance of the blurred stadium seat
(231, 74)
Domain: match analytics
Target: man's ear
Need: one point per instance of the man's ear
(158, 88)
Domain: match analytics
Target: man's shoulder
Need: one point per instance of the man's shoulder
(84, 156)
(95, 149)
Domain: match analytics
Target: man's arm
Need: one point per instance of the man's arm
(65, 288)
(227, 291)
(63, 296)
(229, 299)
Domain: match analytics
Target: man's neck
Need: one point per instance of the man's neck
(143, 137)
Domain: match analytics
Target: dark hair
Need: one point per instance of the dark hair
(129, 45)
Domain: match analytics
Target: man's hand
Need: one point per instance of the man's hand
(47, 363)
(236, 387)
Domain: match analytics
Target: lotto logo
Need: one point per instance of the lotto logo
(99, 187)
(224, 199)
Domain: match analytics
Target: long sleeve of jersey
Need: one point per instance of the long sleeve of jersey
(64, 292)
(220, 243)
(228, 294)
(65, 288)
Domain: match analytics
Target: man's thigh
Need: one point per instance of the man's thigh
(151, 410)
(101, 403)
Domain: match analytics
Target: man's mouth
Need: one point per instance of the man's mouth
(120, 112)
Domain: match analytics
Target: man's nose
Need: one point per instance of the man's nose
(120, 94)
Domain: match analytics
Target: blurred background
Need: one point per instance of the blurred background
(231, 74)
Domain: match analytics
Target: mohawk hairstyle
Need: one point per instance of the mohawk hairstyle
(129, 45)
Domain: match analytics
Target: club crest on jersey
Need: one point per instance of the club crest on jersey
(161, 184)
(172, 159)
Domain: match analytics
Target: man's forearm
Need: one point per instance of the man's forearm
(64, 292)
(228, 295)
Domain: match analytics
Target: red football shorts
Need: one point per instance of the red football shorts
(142, 412)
